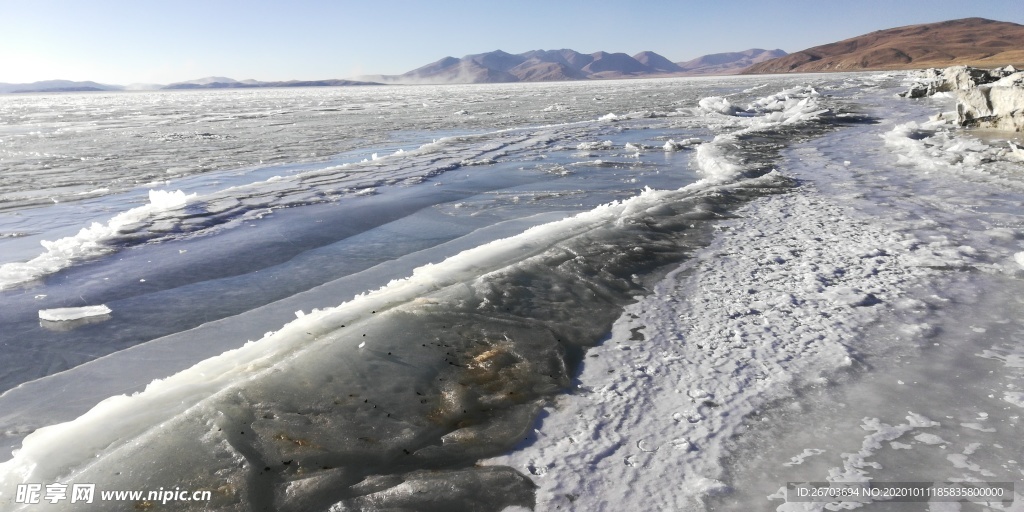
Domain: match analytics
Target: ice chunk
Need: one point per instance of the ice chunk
(1015, 398)
(672, 145)
(65, 314)
(718, 104)
(164, 200)
(588, 146)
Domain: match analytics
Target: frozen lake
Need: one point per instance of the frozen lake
(674, 294)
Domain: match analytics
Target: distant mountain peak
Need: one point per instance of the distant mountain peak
(657, 62)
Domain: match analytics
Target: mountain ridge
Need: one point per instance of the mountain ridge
(490, 67)
(58, 86)
(499, 66)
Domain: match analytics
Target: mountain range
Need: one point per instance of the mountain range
(566, 64)
(210, 82)
(969, 41)
(219, 82)
(491, 67)
(58, 86)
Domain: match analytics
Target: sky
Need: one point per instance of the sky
(149, 41)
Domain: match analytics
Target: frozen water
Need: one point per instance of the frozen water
(523, 305)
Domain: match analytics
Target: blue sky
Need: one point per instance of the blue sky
(123, 42)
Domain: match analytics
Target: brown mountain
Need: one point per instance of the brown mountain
(969, 41)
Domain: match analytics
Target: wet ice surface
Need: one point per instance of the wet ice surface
(831, 330)
(541, 173)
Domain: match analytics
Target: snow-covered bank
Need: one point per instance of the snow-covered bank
(771, 307)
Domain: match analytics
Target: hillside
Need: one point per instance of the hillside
(969, 41)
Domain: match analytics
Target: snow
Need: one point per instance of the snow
(65, 314)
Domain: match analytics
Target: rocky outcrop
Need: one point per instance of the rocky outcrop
(998, 105)
(985, 98)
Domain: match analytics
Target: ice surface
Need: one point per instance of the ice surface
(179, 134)
(171, 215)
(192, 277)
(91, 241)
(855, 316)
(504, 354)
(501, 350)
